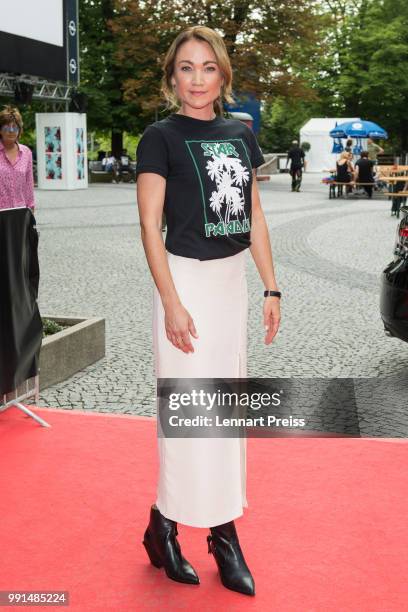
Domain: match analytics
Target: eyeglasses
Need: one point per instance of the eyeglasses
(9, 128)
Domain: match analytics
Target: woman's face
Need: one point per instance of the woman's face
(9, 133)
(197, 78)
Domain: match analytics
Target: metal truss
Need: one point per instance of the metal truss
(43, 89)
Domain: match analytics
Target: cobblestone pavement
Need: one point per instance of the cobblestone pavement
(328, 256)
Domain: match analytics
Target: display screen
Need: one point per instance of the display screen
(33, 37)
(41, 20)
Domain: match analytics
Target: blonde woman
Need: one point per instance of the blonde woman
(200, 168)
(345, 170)
(16, 163)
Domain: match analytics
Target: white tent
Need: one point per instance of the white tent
(316, 132)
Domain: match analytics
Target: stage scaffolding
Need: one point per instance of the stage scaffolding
(57, 93)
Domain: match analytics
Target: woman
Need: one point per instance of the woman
(349, 146)
(200, 168)
(20, 320)
(16, 163)
(344, 170)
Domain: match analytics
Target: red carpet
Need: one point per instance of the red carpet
(326, 528)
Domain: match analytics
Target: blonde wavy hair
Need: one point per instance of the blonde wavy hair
(202, 33)
(11, 114)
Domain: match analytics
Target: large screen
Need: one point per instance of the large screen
(35, 37)
(41, 20)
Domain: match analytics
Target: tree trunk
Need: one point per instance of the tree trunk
(117, 142)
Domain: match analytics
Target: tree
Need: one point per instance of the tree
(282, 120)
(375, 83)
(338, 19)
(365, 72)
(102, 75)
(265, 41)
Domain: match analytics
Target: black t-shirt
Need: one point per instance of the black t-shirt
(207, 165)
(365, 170)
(296, 156)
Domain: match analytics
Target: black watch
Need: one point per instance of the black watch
(269, 293)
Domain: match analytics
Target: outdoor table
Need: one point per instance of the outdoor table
(385, 172)
(396, 193)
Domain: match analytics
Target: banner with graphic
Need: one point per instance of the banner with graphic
(53, 153)
(225, 174)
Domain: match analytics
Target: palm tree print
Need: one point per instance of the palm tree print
(229, 176)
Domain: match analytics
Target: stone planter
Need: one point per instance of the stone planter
(72, 349)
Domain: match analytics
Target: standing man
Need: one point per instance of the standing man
(296, 155)
(373, 150)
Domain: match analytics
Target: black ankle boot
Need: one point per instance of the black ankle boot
(163, 548)
(223, 543)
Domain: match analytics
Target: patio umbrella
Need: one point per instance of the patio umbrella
(337, 144)
(358, 129)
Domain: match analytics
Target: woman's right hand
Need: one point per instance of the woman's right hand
(179, 325)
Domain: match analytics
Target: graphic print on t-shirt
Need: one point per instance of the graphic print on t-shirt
(224, 171)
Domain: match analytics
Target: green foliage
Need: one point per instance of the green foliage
(103, 143)
(51, 327)
(375, 84)
(281, 122)
(123, 44)
(365, 74)
(99, 77)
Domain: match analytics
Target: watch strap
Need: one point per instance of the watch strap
(269, 293)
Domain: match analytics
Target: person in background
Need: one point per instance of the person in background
(16, 163)
(344, 169)
(125, 165)
(124, 159)
(350, 158)
(373, 150)
(296, 156)
(109, 162)
(364, 172)
(349, 146)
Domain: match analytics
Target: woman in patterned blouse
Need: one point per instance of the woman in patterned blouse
(16, 163)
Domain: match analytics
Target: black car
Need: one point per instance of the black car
(394, 289)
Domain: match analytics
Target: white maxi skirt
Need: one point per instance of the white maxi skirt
(202, 481)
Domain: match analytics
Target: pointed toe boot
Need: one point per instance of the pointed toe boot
(164, 550)
(223, 543)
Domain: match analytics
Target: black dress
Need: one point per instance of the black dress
(20, 321)
(343, 173)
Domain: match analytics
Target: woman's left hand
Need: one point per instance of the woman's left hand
(271, 312)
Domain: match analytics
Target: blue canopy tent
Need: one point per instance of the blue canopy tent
(356, 129)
